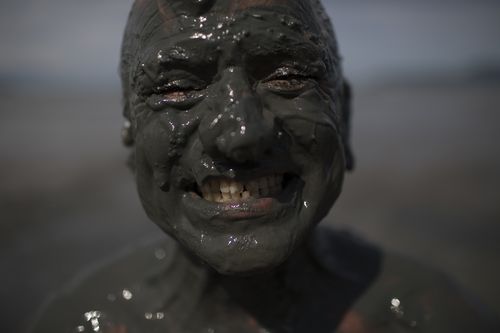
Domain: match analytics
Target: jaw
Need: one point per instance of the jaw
(243, 236)
(246, 236)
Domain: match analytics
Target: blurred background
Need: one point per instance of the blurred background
(426, 80)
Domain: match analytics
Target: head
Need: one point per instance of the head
(237, 117)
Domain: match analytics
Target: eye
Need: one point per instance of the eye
(181, 94)
(287, 80)
(287, 83)
(175, 92)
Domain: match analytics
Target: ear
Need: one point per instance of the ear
(127, 134)
(346, 124)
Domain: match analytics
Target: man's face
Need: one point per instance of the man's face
(237, 146)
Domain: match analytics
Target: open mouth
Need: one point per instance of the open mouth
(228, 190)
(248, 197)
(225, 190)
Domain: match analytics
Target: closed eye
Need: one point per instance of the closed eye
(286, 80)
(181, 94)
(177, 91)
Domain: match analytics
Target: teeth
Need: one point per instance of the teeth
(236, 187)
(225, 191)
(224, 187)
(226, 196)
(207, 193)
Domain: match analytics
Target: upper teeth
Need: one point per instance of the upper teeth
(228, 190)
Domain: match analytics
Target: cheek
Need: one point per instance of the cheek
(154, 153)
(156, 146)
(309, 120)
(161, 141)
(316, 149)
(314, 139)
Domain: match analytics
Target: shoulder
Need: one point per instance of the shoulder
(398, 293)
(111, 294)
(409, 294)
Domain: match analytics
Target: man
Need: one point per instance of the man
(237, 117)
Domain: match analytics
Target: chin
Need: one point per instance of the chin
(250, 235)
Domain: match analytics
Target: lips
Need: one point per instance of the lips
(228, 199)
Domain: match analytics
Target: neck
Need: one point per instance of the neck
(271, 297)
(310, 292)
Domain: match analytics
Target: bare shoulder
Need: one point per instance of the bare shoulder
(397, 293)
(409, 295)
(112, 292)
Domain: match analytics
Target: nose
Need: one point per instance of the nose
(235, 127)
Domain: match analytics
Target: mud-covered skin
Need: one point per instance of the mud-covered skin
(335, 283)
(239, 89)
(245, 89)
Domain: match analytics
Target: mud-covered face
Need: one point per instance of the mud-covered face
(236, 127)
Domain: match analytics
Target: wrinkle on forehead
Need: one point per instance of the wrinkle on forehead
(166, 12)
(151, 9)
(171, 9)
(239, 5)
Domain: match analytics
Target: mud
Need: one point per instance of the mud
(230, 89)
(219, 112)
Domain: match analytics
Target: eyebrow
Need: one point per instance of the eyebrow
(177, 56)
(175, 53)
(285, 49)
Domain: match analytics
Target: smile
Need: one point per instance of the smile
(231, 199)
(226, 190)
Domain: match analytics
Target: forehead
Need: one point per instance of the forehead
(242, 31)
(171, 9)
